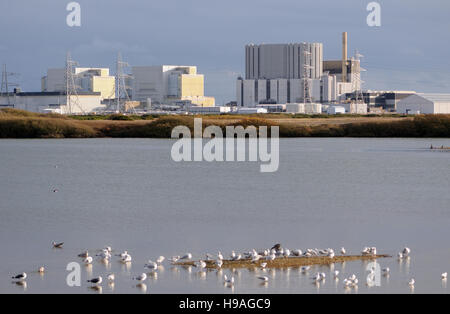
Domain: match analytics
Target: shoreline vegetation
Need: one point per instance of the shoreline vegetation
(23, 124)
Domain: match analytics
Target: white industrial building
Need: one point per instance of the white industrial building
(274, 61)
(275, 72)
(56, 102)
(422, 103)
(166, 84)
(278, 73)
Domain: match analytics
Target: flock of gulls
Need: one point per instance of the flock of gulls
(277, 251)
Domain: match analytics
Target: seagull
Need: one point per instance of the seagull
(219, 255)
(287, 252)
(238, 257)
(304, 269)
(411, 282)
(141, 278)
(41, 270)
(104, 254)
(233, 255)
(200, 264)
(444, 276)
(331, 254)
(317, 277)
(264, 278)
(336, 273)
(219, 263)
(84, 254)
(88, 260)
(21, 276)
(256, 258)
(343, 251)
(122, 255)
(276, 247)
(263, 265)
(406, 251)
(228, 281)
(187, 256)
(151, 265)
(108, 248)
(57, 245)
(400, 255)
(111, 277)
(160, 259)
(297, 252)
(271, 257)
(127, 258)
(96, 281)
(174, 259)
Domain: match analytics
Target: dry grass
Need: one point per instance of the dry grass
(23, 124)
(283, 262)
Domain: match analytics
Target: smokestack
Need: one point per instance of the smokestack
(344, 57)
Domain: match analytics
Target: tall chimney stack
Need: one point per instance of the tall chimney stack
(344, 57)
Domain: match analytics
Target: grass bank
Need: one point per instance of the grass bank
(23, 124)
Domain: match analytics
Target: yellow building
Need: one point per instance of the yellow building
(192, 88)
(86, 80)
(167, 84)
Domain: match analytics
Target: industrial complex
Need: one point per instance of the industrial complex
(291, 78)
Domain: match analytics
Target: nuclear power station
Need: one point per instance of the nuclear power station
(296, 73)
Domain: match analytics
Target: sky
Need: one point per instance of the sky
(409, 51)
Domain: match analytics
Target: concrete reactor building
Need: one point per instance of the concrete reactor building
(284, 73)
(167, 84)
(88, 80)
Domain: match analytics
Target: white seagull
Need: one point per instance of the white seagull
(343, 251)
(151, 265)
(406, 251)
(263, 278)
(229, 281)
(160, 259)
(141, 278)
(111, 277)
(200, 264)
(88, 260)
(187, 256)
(444, 275)
(126, 259)
(411, 282)
(96, 281)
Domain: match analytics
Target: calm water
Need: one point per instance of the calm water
(130, 195)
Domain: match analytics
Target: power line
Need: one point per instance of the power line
(6, 84)
(71, 87)
(122, 96)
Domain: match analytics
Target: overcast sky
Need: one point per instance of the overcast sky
(409, 51)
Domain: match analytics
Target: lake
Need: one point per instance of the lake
(129, 194)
